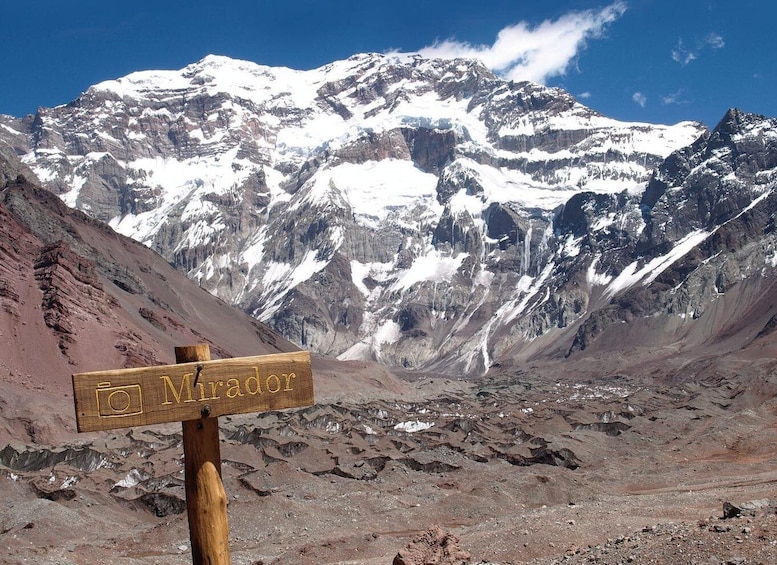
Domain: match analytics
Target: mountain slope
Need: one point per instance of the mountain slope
(423, 213)
(696, 280)
(75, 296)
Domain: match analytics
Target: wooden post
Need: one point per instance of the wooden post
(206, 500)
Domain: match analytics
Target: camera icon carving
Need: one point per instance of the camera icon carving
(119, 401)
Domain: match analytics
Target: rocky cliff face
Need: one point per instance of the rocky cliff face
(75, 297)
(705, 230)
(423, 213)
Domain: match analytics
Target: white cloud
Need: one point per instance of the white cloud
(683, 54)
(675, 98)
(523, 52)
(639, 98)
(584, 95)
(715, 41)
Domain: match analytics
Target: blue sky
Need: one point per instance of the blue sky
(659, 61)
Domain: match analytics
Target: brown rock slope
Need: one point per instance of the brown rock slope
(75, 296)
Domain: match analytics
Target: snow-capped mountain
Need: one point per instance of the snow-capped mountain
(424, 213)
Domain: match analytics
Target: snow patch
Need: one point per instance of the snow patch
(594, 278)
(377, 189)
(413, 426)
(432, 266)
(133, 478)
(632, 274)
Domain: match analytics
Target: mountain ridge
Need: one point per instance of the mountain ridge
(422, 213)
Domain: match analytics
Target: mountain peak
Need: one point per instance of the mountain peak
(737, 125)
(215, 64)
(335, 202)
(733, 120)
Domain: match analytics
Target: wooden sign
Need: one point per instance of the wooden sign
(195, 392)
(123, 398)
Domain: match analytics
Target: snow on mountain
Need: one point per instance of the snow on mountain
(421, 212)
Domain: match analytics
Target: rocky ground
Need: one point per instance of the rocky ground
(533, 470)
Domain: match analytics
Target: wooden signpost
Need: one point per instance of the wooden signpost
(195, 392)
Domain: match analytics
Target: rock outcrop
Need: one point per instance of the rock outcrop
(433, 547)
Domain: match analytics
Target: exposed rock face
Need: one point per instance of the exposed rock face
(69, 285)
(422, 213)
(708, 228)
(433, 547)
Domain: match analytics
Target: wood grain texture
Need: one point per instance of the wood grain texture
(206, 500)
(125, 398)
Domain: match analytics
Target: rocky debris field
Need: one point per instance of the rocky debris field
(717, 540)
(530, 471)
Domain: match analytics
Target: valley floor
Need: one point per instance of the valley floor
(520, 471)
